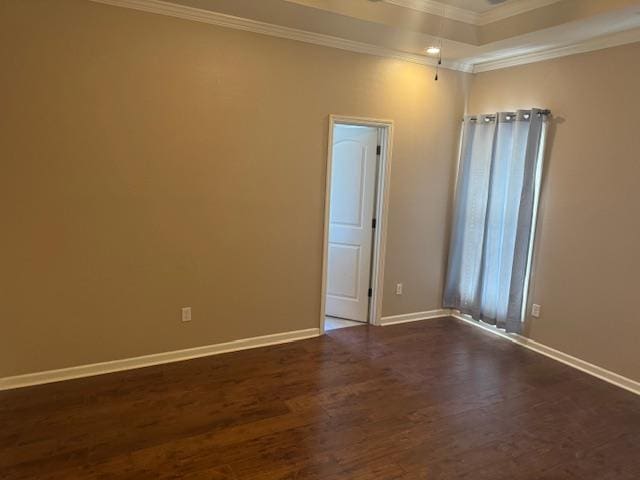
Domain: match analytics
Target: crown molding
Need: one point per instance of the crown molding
(495, 14)
(474, 65)
(229, 21)
(599, 43)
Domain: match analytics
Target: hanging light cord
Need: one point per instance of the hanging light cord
(440, 33)
(439, 60)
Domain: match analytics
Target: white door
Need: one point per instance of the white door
(351, 211)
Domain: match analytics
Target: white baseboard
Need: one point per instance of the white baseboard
(80, 371)
(594, 370)
(591, 369)
(414, 317)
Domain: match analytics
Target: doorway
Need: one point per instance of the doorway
(358, 169)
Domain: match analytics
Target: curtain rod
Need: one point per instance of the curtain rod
(492, 117)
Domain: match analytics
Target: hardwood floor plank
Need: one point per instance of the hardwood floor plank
(434, 400)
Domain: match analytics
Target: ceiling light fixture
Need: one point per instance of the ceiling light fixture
(433, 50)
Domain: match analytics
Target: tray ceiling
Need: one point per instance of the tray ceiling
(520, 29)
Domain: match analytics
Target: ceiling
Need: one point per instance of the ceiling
(477, 6)
(475, 34)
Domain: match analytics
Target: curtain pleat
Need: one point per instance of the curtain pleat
(493, 219)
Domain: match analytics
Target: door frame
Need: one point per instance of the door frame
(385, 128)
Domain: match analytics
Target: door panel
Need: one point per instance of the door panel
(346, 185)
(343, 279)
(351, 211)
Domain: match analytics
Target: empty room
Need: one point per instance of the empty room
(320, 239)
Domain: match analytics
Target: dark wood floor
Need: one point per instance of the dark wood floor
(429, 400)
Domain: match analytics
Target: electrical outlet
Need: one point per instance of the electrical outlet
(398, 289)
(186, 314)
(535, 310)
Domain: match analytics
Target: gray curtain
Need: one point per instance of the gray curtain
(496, 202)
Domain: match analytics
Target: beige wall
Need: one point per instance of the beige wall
(587, 265)
(150, 163)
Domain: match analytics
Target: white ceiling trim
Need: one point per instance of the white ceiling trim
(466, 65)
(238, 23)
(497, 13)
(608, 41)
